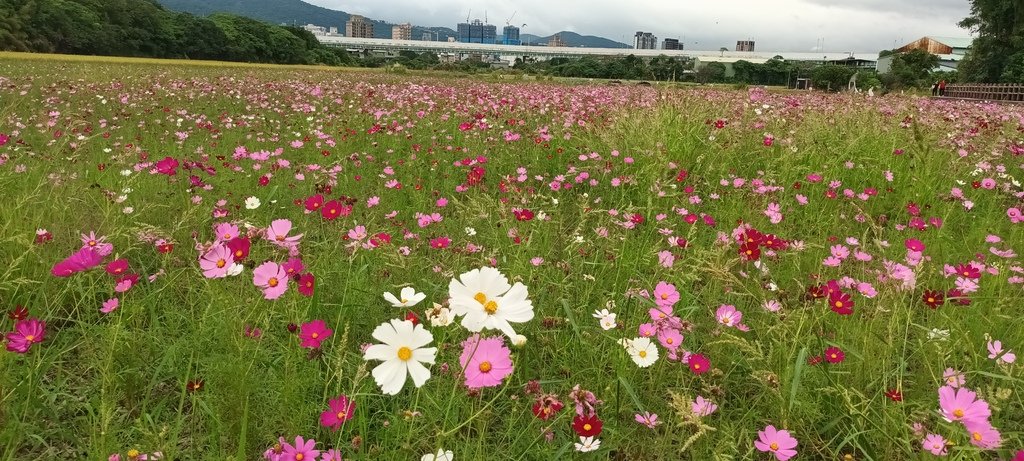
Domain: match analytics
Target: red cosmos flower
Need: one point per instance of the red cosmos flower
(958, 297)
(817, 291)
(331, 210)
(522, 214)
(814, 360)
(587, 426)
(306, 283)
(750, 251)
(264, 180)
(412, 317)
(699, 364)
(546, 406)
(894, 394)
(18, 313)
(43, 236)
(195, 385)
(773, 242)
(239, 247)
(165, 248)
(841, 303)
(933, 298)
(968, 271)
(719, 124)
(315, 202)
(636, 218)
(753, 236)
(834, 355)
(440, 242)
(117, 267)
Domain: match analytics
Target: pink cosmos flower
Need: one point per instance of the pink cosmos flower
(225, 232)
(339, 410)
(26, 333)
(271, 278)
(665, 295)
(953, 378)
(936, 444)
(670, 338)
(699, 364)
(660, 313)
(117, 267)
(84, 259)
(779, 443)
(303, 450)
(914, 245)
(666, 258)
(962, 404)
(995, 351)
(110, 305)
(293, 266)
(277, 233)
(167, 166)
(331, 455)
(306, 284)
(216, 262)
(647, 419)
(983, 435)
(728, 315)
(701, 407)
(486, 361)
(313, 333)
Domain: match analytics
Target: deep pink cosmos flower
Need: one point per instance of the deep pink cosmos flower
(962, 404)
(303, 450)
(167, 166)
(293, 266)
(313, 333)
(699, 364)
(277, 233)
(779, 443)
(485, 361)
(271, 278)
(936, 444)
(84, 259)
(216, 262)
(26, 333)
(665, 295)
(914, 245)
(314, 203)
(306, 284)
(339, 410)
(440, 243)
(117, 267)
(834, 355)
(239, 247)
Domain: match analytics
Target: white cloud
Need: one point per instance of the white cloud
(783, 25)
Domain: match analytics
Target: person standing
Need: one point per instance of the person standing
(935, 89)
(942, 87)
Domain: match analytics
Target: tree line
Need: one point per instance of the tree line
(143, 28)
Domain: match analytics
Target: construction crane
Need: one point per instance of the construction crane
(468, 15)
(508, 22)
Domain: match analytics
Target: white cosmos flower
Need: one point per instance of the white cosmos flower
(408, 297)
(607, 318)
(643, 352)
(235, 269)
(402, 351)
(441, 455)
(439, 316)
(588, 444)
(487, 301)
(252, 203)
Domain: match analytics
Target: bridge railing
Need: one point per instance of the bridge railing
(986, 91)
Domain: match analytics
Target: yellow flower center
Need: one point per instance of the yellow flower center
(480, 298)
(280, 238)
(774, 446)
(272, 282)
(314, 335)
(221, 263)
(227, 236)
(958, 413)
(669, 340)
(977, 436)
(839, 304)
(299, 457)
(404, 300)
(696, 366)
(30, 338)
(341, 415)
(485, 367)
(491, 307)
(642, 354)
(664, 296)
(92, 243)
(238, 254)
(931, 300)
(404, 354)
(586, 427)
(133, 453)
(834, 356)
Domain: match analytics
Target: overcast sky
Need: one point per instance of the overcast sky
(776, 25)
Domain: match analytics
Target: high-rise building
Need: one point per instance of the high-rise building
(332, 31)
(645, 41)
(671, 44)
(358, 27)
(745, 45)
(556, 40)
(401, 32)
(477, 32)
(510, 36)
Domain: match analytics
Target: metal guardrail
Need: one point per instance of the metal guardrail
(1012, 92)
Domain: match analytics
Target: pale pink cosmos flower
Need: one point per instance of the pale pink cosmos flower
(778, 442)
(935, 444)
(702, 407)
(728, 315)
(271, 278)
(109, 305)
(953, 378)
(647, 419)
(995, 351)
(216, 262)
(962, 404)
(277, 233)
(772, 305)
(225, 232)
(983, 435)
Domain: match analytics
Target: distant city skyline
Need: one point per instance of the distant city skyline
(783, 25)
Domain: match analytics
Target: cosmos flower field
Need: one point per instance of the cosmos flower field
(252, 263)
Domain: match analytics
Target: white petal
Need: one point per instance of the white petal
(392, 299)
(420, 374)
(386, 333)
(390, 376)
(425, 355)
(380, 352)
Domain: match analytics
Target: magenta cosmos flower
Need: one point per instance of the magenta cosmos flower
(84, 259)
(216, 262)
(777, 442)
(486, 361)
(339, 411)
(665, 294)
(25, 334)
(699, 364)
(303, 450)
(313, 333)
(962, 404)
(271, 278)
(278, 231)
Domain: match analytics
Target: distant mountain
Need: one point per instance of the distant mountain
(574, 39)
(294, 12)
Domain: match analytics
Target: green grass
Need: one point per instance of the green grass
(101, 384)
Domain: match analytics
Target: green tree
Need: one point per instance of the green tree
(912, 69)
(831, 77)
(999, 25)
